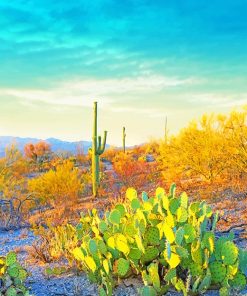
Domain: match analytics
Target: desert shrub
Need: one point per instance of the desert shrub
(166, 240)
(37, 152)
(211, 152)
(12, 276)
(133, 172)
(59, 186)
(14, 200)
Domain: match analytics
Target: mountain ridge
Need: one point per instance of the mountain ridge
(56, 144)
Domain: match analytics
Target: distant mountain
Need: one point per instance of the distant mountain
(56, 144)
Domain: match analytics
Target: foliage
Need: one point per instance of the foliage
(59, 186)
(165, 239)
(37, 152)
(12, 276)
(212, 151)
(14, 200)
(131, 172)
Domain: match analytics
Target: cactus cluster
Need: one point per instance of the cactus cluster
(164, 239)
(12, 277)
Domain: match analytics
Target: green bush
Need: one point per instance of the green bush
(12, 277)
(165, 240)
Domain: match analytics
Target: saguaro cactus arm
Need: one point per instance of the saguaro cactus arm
(101, 146)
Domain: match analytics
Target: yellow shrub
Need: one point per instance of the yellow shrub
(57, 186)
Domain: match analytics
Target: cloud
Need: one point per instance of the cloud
(84, 92)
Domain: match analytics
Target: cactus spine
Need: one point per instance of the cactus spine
(124, 136)
(98, 147)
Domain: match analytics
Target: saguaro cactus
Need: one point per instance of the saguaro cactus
(124, 136)
(98, 147)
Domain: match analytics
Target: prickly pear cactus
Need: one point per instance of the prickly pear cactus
(165, 239)
(12, 276)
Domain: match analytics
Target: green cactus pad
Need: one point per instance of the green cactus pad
(182, 252)
(239, 281)
(205, 284)
(102, 292)
(13, 272)
(172, 190)
(229, 253)
(17, 282)
(189, 233)
(231, 270)
(22, 275)
(195, 269)
(194, 207)
(115, 217)
(174, 205)
(130, 230)
(123, 267)
(218, 247)
(152, 236)
(102, 247)
(224, 291)
(11, 258)
(182, 215)
(147, 291)
(11, 292)
(243, 260)
(208, 241)
(179, 236)
(135, 254)
(184, 200)
(196, 252)
(154, 275)
(121, 208)
(150, 254)
(135, 204)
(168, 250)
(172, 273)
(146, 278)
(103, 226)
(93, 246)
(144, 196)
(218, 271)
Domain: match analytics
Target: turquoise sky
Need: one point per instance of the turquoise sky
(141, 60)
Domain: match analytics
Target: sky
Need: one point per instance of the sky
(141, 60)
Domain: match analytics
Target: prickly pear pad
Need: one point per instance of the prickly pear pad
(123, 267)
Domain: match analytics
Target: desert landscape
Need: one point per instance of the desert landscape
(123, 148)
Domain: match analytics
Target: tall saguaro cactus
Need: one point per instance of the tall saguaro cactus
(98, 147)
(124, 136)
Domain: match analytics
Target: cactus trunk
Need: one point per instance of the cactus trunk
(97, 149)
(124, 136)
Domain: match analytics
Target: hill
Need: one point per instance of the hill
(56, 144)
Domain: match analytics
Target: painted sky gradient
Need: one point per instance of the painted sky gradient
(141, 60)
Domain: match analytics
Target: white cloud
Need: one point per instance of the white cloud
(219, 100)
(84, 92)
